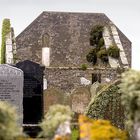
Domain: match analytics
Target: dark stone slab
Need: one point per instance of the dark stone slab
(11, 87)
(33, 91)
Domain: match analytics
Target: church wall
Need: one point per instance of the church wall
(67, 36)
(69, 78)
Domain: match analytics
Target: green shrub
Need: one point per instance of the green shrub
(108, 96)
(83, 66)
(96, 29)
(96, 40)
(99, 129)
(96, 35)
(102, 54)
(113, 51)
(92, 56)
(101, 43)
(9, 129)
(5, 31)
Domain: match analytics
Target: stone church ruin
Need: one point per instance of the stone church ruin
(60, 41)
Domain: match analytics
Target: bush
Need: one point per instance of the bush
(99, 130)
(99, 104)
(102, 54)
(92, 56)
(130, 89)
(96, 35)
(9, 129)
(96, 29)
(83, 66)
(113, 51)
(96, 40)
(101, 43)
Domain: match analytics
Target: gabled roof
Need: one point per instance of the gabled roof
(82, 14)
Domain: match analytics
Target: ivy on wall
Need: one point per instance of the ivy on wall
(97, 42)
(5, 31)
(113, 51)
(99, 50)
(106, 104)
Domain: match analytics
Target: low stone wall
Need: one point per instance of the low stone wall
(68, 78)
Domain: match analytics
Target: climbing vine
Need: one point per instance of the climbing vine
(113, 51)
(99, 50)
(97, 42)
(5, 31)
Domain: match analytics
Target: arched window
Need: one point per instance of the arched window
(45, 40)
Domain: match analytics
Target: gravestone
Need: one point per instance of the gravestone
(33, 91)
(80, 99)
(54, 96)
(11, 87)
(94, 88)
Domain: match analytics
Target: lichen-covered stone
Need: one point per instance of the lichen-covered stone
(54, 96)
(66, 34)
(69, 78)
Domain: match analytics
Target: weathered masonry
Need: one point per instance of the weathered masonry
(60, 41)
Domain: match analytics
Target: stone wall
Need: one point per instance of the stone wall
(68, 78)
(67, 36)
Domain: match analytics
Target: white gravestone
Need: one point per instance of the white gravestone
(11, 87)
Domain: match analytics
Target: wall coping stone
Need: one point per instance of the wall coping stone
(79, 68)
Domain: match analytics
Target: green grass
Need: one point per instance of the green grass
(75, 134)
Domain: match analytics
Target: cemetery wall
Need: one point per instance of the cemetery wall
(68, 78)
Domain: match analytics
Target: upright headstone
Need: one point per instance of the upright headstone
(54, 96)
(33, 91)
(11, 87)
(80, 99)
(94, 88)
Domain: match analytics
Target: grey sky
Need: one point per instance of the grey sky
(124, 13)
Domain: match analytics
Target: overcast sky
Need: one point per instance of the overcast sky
(124, 13)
